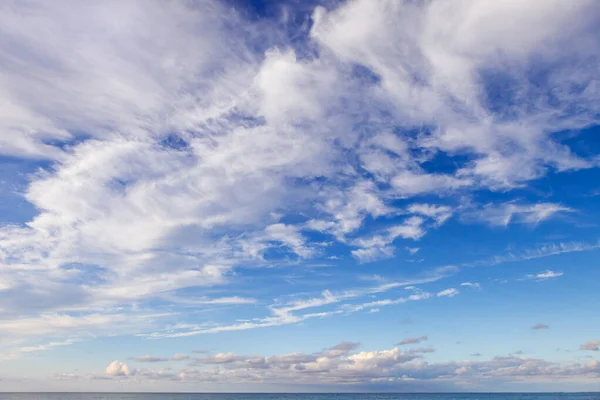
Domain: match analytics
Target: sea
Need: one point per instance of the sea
(274, 396)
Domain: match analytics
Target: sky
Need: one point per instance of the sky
(313, 196)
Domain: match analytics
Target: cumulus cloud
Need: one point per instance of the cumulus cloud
(118, 369)
(540, 326)
(180, 357)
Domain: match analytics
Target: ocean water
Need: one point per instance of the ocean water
(270, 396)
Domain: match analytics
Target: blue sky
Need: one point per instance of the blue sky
(369, 195)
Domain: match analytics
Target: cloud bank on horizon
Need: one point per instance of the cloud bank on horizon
(185, 175)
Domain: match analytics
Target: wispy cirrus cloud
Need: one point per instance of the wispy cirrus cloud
(504, 214)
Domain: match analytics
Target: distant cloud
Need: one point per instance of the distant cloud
(148, 359)
(474, 285)
(413, 250)
(540, 326)
(344, 363)
(341, 348)
(548, 274)
(412, 340)
(592, 345)
(518, 352)
(219, 358)
(448, 293)
(180, 357)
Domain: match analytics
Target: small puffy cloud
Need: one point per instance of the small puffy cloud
(180, 357)
(476, 355)
(117, 368)
(451, 292)
(592, 345)
(540, 326)
(148, 359)
(412, 340)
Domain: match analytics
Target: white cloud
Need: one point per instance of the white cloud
(19, 351)
(438, 44)
(439, 213)
(287, 313)
(180, 357)
(504, 214)
(373, 253)
(118, 369)
(539, 252)
(542, 276)
(451, 292)
(378, 246)
(473, 285)
(409, 184)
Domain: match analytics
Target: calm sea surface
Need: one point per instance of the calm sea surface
(181, 396)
